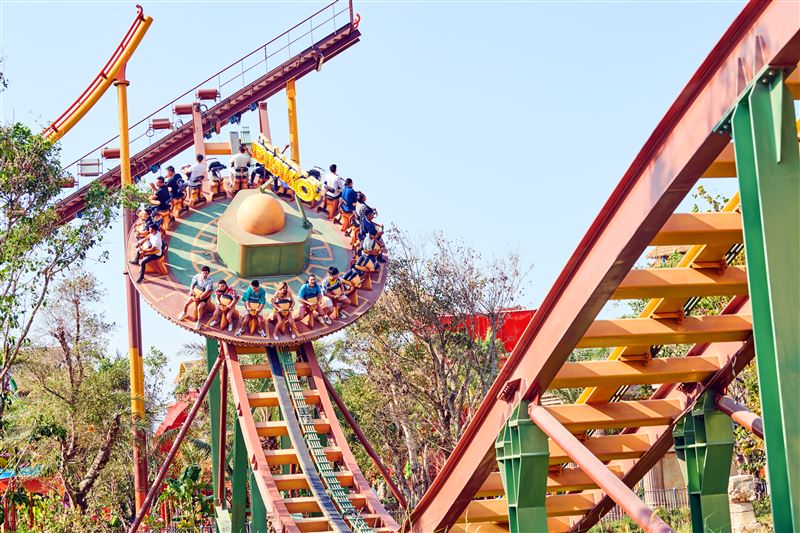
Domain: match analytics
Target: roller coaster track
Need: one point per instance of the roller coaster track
(274, 80)
(469, 494)
(107, 75)
(340, 498)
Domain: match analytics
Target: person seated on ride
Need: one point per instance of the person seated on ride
(226, 300)
(239, 164)
(373, 229)
(143, 222)
(258, 175)
(198, 173)
(370, 252)
(161, 196)
(311, 301)
(333, 190)
(282, 304)
(174, 183)
(199, 294)
(254, 299)
(360, 207)
(337, 289)
(148, 248)
(215, 168)
(349, 197)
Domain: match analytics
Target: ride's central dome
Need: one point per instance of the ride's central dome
(261, 214)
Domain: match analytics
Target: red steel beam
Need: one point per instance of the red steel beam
(376, 460)
(597, 471)
(741, 415)
(223, 423)
(680, 149)
(180, 139)
(360, 482)
(176, 444)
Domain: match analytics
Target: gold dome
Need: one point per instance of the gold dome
(261, 214)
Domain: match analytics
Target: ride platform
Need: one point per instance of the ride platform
(191, 243)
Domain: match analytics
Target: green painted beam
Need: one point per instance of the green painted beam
(213, 398)
(523, 456)
(704, 445)
(768, 166)
(258, 511)
(239, 483)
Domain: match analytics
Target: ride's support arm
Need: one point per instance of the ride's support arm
(741, 415)
(222, 460)
(768, 166)
(523, 456)
(704, 445)
(598, 472)
(176, 444)
(263, 120)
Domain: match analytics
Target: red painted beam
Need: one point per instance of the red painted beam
(180, 139)
(741, 415)
(680, 149)
(597, 471)
(176, 445)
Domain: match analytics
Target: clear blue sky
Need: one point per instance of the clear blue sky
(503, 124)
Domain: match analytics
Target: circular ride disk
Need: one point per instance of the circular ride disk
(191, 243)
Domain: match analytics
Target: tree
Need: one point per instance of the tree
(75, 395)
(36, 248)
(418, 353)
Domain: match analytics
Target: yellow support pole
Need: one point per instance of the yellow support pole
(134, 317)
(294, 138)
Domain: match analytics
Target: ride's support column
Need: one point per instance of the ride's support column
(523, 456)
(768, 167)
(197, 130)
(704, 445)
(134, 309)
(263, 120)
(217, 476)
(294, 138)
(258, 511)
(239, 483)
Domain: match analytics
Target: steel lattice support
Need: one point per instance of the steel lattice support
(768, 165)
(523, 456)
(704, 445)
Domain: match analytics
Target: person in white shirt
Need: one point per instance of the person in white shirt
(333, 191)
(198, 172)
(148, 248)
(239, 164)
(204, 286)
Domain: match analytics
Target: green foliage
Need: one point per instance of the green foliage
(36, 249)
(417, 367)
(191, 496)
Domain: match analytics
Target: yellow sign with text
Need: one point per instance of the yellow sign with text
(307, 188)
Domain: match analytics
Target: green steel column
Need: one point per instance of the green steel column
(768, 167)
(258, 511)
(213, 397)
(523, 455)
(704, 445)
(239, 483)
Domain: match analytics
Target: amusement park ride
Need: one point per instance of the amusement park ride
(520, 466)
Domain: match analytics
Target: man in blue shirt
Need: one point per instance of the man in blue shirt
(349, 197)
(254, 299)
(311, 301)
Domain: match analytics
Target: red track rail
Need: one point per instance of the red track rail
(54, 129)
(682, 146)
(262, 88)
